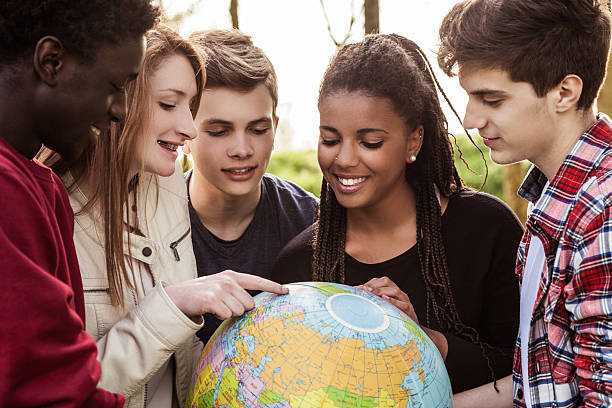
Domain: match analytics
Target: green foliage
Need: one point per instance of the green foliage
(472, 156)
(302, 168)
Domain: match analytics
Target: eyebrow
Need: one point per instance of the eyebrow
(176, 91)
(217, 122)
(488, 92)
(265, 120)
(359, 132)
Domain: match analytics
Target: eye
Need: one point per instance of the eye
(117, 89)
(492, 102)
(260, 131)
(372, 145)
(216, 133)
(329, 142)
(166, 106)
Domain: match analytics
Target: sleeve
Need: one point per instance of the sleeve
(138, 344)
(499, 311)
(589, 303)
(294, 261)
(46, 357)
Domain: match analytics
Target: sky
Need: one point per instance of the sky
(294, 35)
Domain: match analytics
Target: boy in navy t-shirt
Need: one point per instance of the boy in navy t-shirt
(241, 217)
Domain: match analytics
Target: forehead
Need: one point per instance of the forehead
(357, 109)
(175, 73)
(472, 78)
(235, 106)
(121, 61)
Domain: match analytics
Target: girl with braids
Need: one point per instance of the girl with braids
(143, 302)
(395, 218)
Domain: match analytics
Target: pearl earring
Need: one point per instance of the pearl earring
(413, 158)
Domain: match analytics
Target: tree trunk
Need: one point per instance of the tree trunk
(513, 177)
(234, 14)
(371, 14)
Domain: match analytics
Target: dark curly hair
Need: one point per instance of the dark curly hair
(395, 68)
(81, 26)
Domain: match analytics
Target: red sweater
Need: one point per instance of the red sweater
(46, 356)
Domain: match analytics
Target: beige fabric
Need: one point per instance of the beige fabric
(135, 342)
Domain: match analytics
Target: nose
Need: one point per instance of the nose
(241, 147)
(473, 118)
(347, 155)
(185, 125)
(116, 107)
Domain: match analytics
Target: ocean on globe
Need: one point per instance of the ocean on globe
(321, 345)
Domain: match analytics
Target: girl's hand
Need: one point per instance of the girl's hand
(388, 290)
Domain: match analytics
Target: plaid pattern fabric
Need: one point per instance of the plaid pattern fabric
(570, 343)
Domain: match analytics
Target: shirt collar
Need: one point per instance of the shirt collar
(550, 212)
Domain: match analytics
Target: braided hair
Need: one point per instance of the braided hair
(395, 68)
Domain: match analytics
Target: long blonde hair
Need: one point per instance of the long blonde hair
(108, 162)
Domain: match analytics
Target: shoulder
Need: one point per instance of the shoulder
(290, 197)
(296, 257)
(593, 204)
(173, 186)
(482, 205)
(287, 188)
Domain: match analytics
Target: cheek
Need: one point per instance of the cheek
(325, 157)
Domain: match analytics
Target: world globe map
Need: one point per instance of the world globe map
(322, 345)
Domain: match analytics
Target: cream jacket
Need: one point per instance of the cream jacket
(135, 342)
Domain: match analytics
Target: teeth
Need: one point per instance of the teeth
(169, 146)
(351, 181)
(95, 130)
(241, 171)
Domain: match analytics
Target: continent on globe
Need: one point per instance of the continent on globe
(321, 345)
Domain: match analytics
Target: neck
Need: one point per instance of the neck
(568, 127)
(398, 208)
(224, 215)
(17, 119)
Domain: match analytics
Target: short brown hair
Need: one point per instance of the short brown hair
(538, 42)
(233, 61)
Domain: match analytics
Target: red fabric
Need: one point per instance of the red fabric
(46, 356)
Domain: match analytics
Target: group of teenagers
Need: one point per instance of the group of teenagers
(117, 268)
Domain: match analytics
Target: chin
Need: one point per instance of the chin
(163, 171)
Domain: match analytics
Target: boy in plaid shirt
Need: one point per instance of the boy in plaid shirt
(532, 70)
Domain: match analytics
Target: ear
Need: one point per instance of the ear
(186, 148)
(49, 56)
(567, 93)
(275, 123)
(415, 141)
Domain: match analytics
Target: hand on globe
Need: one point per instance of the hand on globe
(388, 290)
(223, 294)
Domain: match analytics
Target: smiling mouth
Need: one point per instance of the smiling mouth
(239, 171)
(167, 145)
(95, 130)
(351, 181)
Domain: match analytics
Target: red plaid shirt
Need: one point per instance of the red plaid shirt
(570, 342)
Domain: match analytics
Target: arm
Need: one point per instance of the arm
(166, 319)
(42, 338)
(588, 297)
(485, 396)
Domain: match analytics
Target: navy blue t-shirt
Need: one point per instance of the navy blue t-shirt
(284, 210)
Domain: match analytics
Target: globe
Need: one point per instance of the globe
(321, 345)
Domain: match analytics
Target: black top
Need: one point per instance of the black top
(284, 210)
(481, 236)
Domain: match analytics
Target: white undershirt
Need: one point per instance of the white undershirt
(534, 266)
